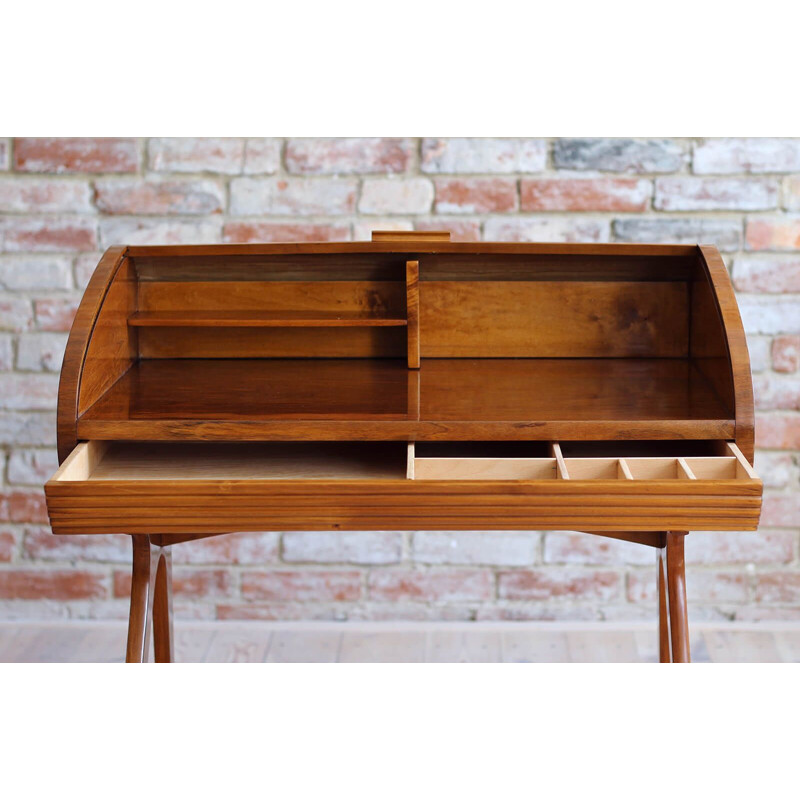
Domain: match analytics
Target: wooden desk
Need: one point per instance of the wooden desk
(401, 384)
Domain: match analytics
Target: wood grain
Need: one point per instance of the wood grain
(676, 586)
(552, 319)
(412, 312)
(77, 346)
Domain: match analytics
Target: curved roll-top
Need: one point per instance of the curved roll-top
(407, 339)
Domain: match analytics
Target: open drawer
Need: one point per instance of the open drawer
(202, 487)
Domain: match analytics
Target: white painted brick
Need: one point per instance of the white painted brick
(44, 195)
(619, 155)
(262, 156)
(500, 156)
(363, 228)
(223, 156)
(503, 548)
(6, 352)
(16, 313)
(27, 428)
(726, 156)
(345, 547)
(575, 228)
(292, 196)
(41, 352)
(35, 272)
(567, 547)
(770, 315)
(28, 392)
(726, 233)
(131, 230)
(759, 348)
(31, 467)
(388, 196)
(715, 194)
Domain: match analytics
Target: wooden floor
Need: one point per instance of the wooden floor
(401, 642)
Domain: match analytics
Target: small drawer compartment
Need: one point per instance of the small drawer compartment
(481, 461)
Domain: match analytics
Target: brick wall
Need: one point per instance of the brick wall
(63, 201)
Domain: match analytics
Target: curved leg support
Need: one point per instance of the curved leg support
(664, 644)
(163, 639)
(676, 587)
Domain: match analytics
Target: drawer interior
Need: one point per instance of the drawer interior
(626, 461)
(176, 461)
(445, 461)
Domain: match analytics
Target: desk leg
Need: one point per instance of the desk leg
(163, 638)
(143, 575)
(676, 588)
(664, 647)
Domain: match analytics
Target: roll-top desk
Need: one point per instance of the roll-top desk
(400, 384)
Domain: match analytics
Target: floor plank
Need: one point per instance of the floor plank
(489, 642)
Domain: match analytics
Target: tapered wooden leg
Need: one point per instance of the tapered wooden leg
(142, 586)
(664, 646)
(163, 639)
(676, 587)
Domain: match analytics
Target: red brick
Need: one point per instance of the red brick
(238, 548)
(766, 274)
(778, 431)
(49, 234)
(302, 586)
(26, 506)
(738, 547)
(247, 232)
(40, 195)
(559, 582)
(76, 155)
(292, 196)
(475, 195)
(773, 233)
(40, 544)
(685, 193)
(778, 587)
(585, 194)
(347, 156)
(786, 353)
(8, 544)
(55, 314)
(159, 197)
(224, 156)
(781, 511)
(460, 230)
(38, 584)
(431, 586)
(186, 583)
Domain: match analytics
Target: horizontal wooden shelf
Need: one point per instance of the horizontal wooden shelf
(372, 399)
(261, 319)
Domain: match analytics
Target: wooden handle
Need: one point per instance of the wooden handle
(410, 236)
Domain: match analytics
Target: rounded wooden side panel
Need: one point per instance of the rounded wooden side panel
(723, 352)
(100, 347)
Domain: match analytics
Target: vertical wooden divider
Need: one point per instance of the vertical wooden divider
(412, 312)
